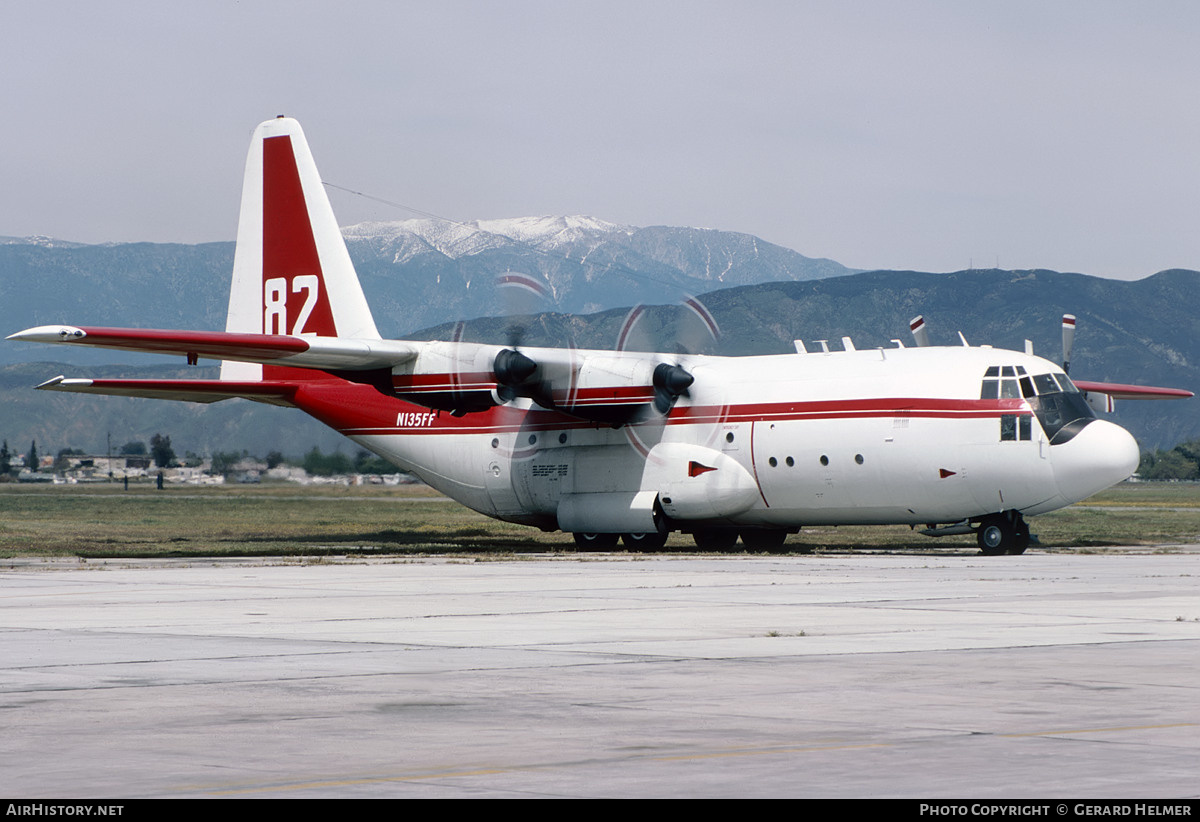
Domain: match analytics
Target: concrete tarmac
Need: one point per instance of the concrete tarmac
(1048, 675)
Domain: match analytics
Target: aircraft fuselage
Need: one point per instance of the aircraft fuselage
(896, 435)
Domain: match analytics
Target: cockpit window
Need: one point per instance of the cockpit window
(1005, 389)
(1046, 384)
(1064, 382)
(1053, 398)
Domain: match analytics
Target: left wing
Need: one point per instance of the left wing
(324, 353)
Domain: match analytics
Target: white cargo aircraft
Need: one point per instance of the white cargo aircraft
(617, 444)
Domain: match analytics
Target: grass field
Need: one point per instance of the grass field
(95, 521)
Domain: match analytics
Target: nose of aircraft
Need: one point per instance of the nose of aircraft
(1100, 455)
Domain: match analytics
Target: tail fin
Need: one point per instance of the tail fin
(291, 271)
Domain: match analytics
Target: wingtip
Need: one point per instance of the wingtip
(61, 383)
(49, 334)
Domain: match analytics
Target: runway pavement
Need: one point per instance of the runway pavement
(850, 675)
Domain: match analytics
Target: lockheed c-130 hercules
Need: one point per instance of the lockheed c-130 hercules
(631, 445)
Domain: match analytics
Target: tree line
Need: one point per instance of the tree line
(160, 453)
(1180, 463)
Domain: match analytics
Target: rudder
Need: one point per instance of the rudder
(292, 273)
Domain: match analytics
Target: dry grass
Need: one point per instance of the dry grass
(286, 520)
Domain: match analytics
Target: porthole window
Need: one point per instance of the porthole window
(858, 458)
(532, 439)
(729, 437)
(495, 443)
(790, 462)
(562, 438)
(772, 462)
(824, 460)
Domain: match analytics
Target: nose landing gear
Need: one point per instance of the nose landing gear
(1003, 533)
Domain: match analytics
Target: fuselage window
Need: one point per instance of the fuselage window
(1015, 427)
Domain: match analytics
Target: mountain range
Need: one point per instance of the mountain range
(415, 273)
(420, 276)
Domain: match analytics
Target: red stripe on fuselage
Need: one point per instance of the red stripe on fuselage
(354, 408)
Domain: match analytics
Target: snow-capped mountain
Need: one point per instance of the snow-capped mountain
(408, 238)
(586, 264)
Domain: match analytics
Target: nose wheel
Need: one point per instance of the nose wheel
(1004, 533)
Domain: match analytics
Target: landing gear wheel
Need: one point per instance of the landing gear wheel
(993, 538)
(764, 539)
(652, 541)
(596, 542)
(1004, 533)
(716, 539)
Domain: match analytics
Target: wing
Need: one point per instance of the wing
(1102, 396)
(274, 393)
(1132, 392)
(323, 353)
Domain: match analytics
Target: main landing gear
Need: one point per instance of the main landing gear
(652, 541)
(1003, 533)
(711, 539)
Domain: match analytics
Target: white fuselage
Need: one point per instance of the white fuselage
(876, 436)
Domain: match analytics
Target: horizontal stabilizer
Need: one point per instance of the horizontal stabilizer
(275, 393)
(1132, 392)
(327, 353)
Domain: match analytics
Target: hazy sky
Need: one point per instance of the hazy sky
(924, 135)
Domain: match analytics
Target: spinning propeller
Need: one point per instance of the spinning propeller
(522, 296)
(693, 330)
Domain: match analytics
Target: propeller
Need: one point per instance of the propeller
(517, 374)
(1068, 326)
(558, 382)
(919, 331)
(694, 329)
(521, 296)
(691, 329)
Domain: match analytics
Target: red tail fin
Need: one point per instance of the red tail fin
(291, 272)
